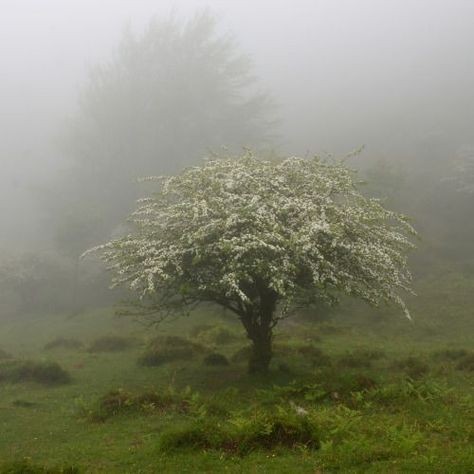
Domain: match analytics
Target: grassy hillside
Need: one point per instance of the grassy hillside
(365, 391)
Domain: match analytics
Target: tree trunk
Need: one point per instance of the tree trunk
(259, 331)
(261, 350)
(258, 321)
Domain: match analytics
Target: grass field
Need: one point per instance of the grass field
(364, 392)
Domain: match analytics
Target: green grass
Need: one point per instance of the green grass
(365, 393)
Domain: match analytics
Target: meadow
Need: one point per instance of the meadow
(355, 391)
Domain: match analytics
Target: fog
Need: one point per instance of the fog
(328, 311)
(393, 76)
(384, 74)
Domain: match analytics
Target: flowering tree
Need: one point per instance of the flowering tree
(261, 238)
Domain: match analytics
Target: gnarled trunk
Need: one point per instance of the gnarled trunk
(262, 353)
(258, 322)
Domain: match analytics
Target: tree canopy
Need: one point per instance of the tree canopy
(261, 238)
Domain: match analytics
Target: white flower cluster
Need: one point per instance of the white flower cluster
(215, 232)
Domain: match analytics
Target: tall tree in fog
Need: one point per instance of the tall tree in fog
(166, 97)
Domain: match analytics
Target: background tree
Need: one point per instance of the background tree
(164, 99)
(261, 239)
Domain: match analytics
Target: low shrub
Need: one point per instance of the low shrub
(399, 393)
(162, 350)
(268, 431)
(194, 434)
(45, 373)
(63, 343)
(111, 404)
(243, 434)
(215, 359)
(111, 344)
(342, 385)
(158, 356)
(120, 402)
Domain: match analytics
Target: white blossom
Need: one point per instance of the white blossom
(300, 226)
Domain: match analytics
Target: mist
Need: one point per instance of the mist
(387, 75)
(95, 96)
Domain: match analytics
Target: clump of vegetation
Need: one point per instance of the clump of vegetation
(243, 434)
(162, 350)
(466, 363)
(45, 373)
(340, 385)
(216, 359)
(398, 393)
(27, 467)
(63, 343)
(412, 366)
(120, 402)
(111, 344)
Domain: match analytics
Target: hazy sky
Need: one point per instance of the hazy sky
(345, 72)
